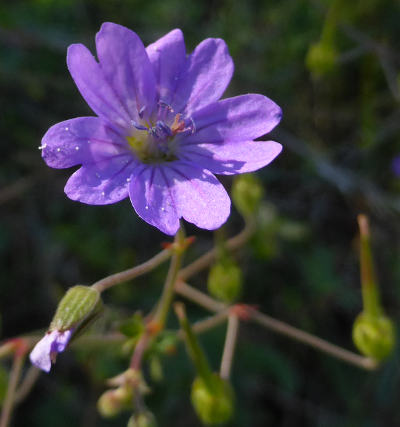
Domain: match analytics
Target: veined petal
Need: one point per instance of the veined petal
(94, 87)
(161, 194)
(168, 58)
(208, 72)
(126, 67)
(80, 140)
(152, 197)
(242, 118)
(231, 157)
(102, 183)
(201, 199)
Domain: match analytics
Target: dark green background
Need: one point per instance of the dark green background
(340, 132)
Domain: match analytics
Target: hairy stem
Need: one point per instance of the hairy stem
(9, 400)
(229, 346)
(123, 276)
(281, 328)
(164, 304)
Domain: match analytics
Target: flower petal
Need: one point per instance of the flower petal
(102, 183)
(80, 140)
(168, 58)
(232, 157)
(208, 72)
(161, 194)
(241, 118)
(126, 67)
(152, 198)
(47, 348)
(201, 199)
(94, 87)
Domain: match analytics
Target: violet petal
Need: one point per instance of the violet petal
(81, 140)
(168, 58)
(209, 71)
(94, 87)
(126, 67)
(241, 118)
(101, 183)
(232, 157)
(163, 194)
(47, 348)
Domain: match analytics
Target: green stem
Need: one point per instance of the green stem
(164, 304)
(369, 288)
(195, 351)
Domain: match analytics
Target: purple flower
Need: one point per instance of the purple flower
(46, 350)
(161, 132)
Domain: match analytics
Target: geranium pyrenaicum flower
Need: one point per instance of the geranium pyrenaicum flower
(161, 132)
(46, 350)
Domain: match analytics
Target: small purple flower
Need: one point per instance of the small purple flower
(46, 350)
(161, 132)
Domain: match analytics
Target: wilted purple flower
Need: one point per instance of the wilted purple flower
(161, 132)
(46, 350)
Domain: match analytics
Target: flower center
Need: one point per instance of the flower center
(155, 141)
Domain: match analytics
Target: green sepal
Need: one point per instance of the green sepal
(78, 307)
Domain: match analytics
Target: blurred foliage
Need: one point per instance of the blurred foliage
(340, 132)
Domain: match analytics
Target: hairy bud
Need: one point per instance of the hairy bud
(79, 305)
(321, 58)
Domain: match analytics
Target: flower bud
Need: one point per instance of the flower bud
(374, 336)
(247, 192)
(321, 58)
(143, 419)
(79, 305)
(213, 405)
(225, 280)
(112, 402)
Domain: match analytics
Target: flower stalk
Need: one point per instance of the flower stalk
(195, 351)
(369, 286)
(178, 248)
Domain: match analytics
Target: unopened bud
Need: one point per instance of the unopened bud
(321, 58)
(225, 280)
(78, 306)
(374, 336)
(143, 419)
(247, 192)
(112, 402)
(213, 405)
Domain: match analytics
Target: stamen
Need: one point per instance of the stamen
(141, 111)
(178, 125)
(138, 126)
(163, 104)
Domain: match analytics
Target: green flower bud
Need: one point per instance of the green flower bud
(79, 305)
(112, 402)
(213, 405)
(374, 336)
(225, 280)
(321, 58)
(143, 419)
(247, 192)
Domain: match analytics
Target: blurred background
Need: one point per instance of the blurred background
(333, 67)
